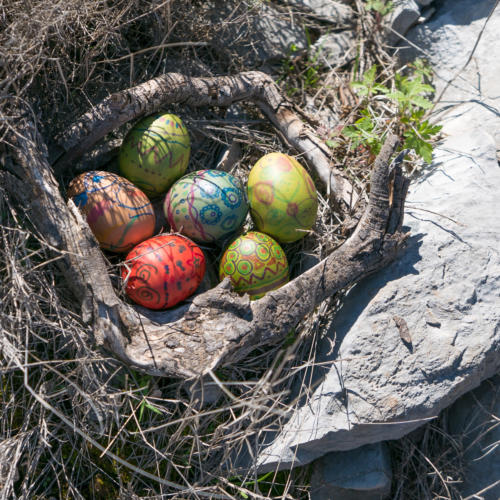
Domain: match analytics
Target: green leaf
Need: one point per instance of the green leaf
(381, 88)
(383, 7)
(331, 144)
(370, 75)
(365, 124)
(421, 147)
(424, 149)
(361, 88)
(421, 102)
(152, 408)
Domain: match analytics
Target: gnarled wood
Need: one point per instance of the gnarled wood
(217, 326)
(222, 91)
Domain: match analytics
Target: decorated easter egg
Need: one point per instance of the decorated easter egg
(282, 197)
(162, 271)
(206, 205)
(155, 153)
(255, 264)
(119, 213)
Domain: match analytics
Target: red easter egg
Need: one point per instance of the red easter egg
(162, 271)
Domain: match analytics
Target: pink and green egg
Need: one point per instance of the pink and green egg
(282, 197)
(155, 153)
(255, 263)
(206, 205)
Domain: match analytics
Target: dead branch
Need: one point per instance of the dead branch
(218, 326)
(222, 91)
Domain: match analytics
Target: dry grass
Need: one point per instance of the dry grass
(75, 423)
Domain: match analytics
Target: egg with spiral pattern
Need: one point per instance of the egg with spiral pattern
(255, 263)
(163, 271)
(282, 197)
(119, 214)
(206, 205)
(155, 153)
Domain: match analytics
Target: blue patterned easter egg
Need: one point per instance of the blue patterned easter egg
(206, 205)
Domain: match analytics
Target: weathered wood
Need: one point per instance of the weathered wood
(153, 95)
(218, 326)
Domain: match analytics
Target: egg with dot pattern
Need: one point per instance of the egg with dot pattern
(206, 205)
(162, 271)
(282, 197)
(255, 263)
(155, 153)
(119, 214)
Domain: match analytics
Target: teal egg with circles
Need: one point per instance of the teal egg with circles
(206, 205)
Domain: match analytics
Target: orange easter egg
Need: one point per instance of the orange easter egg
(119, 213)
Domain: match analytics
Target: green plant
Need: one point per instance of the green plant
(363, 132)
(144, 382)
(368, 86)
(305, 72)
(383, 7)
(409, 99)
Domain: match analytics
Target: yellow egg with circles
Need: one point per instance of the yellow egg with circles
(282, 197)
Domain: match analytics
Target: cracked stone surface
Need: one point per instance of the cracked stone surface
(445, 287)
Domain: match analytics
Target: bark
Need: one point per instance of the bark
(218, 326)
(222, 91)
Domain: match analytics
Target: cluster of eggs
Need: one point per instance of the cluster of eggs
(206, 206)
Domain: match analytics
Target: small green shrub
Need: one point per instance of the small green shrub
(409, 98)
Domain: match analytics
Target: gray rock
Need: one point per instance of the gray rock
(447, 40)
(445, 286)
(361, 474)
(424, 2)
(334, 49)
(404, 15)
(474, 420)
(329, 10)
(267, 33)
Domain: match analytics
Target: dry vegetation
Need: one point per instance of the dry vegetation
(76, 423)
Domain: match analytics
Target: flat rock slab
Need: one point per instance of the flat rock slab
(442, 295)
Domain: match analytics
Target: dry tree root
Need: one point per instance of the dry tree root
(217, 326)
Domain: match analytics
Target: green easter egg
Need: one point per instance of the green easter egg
(282, 197)
(255, 264)
(155, 153)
